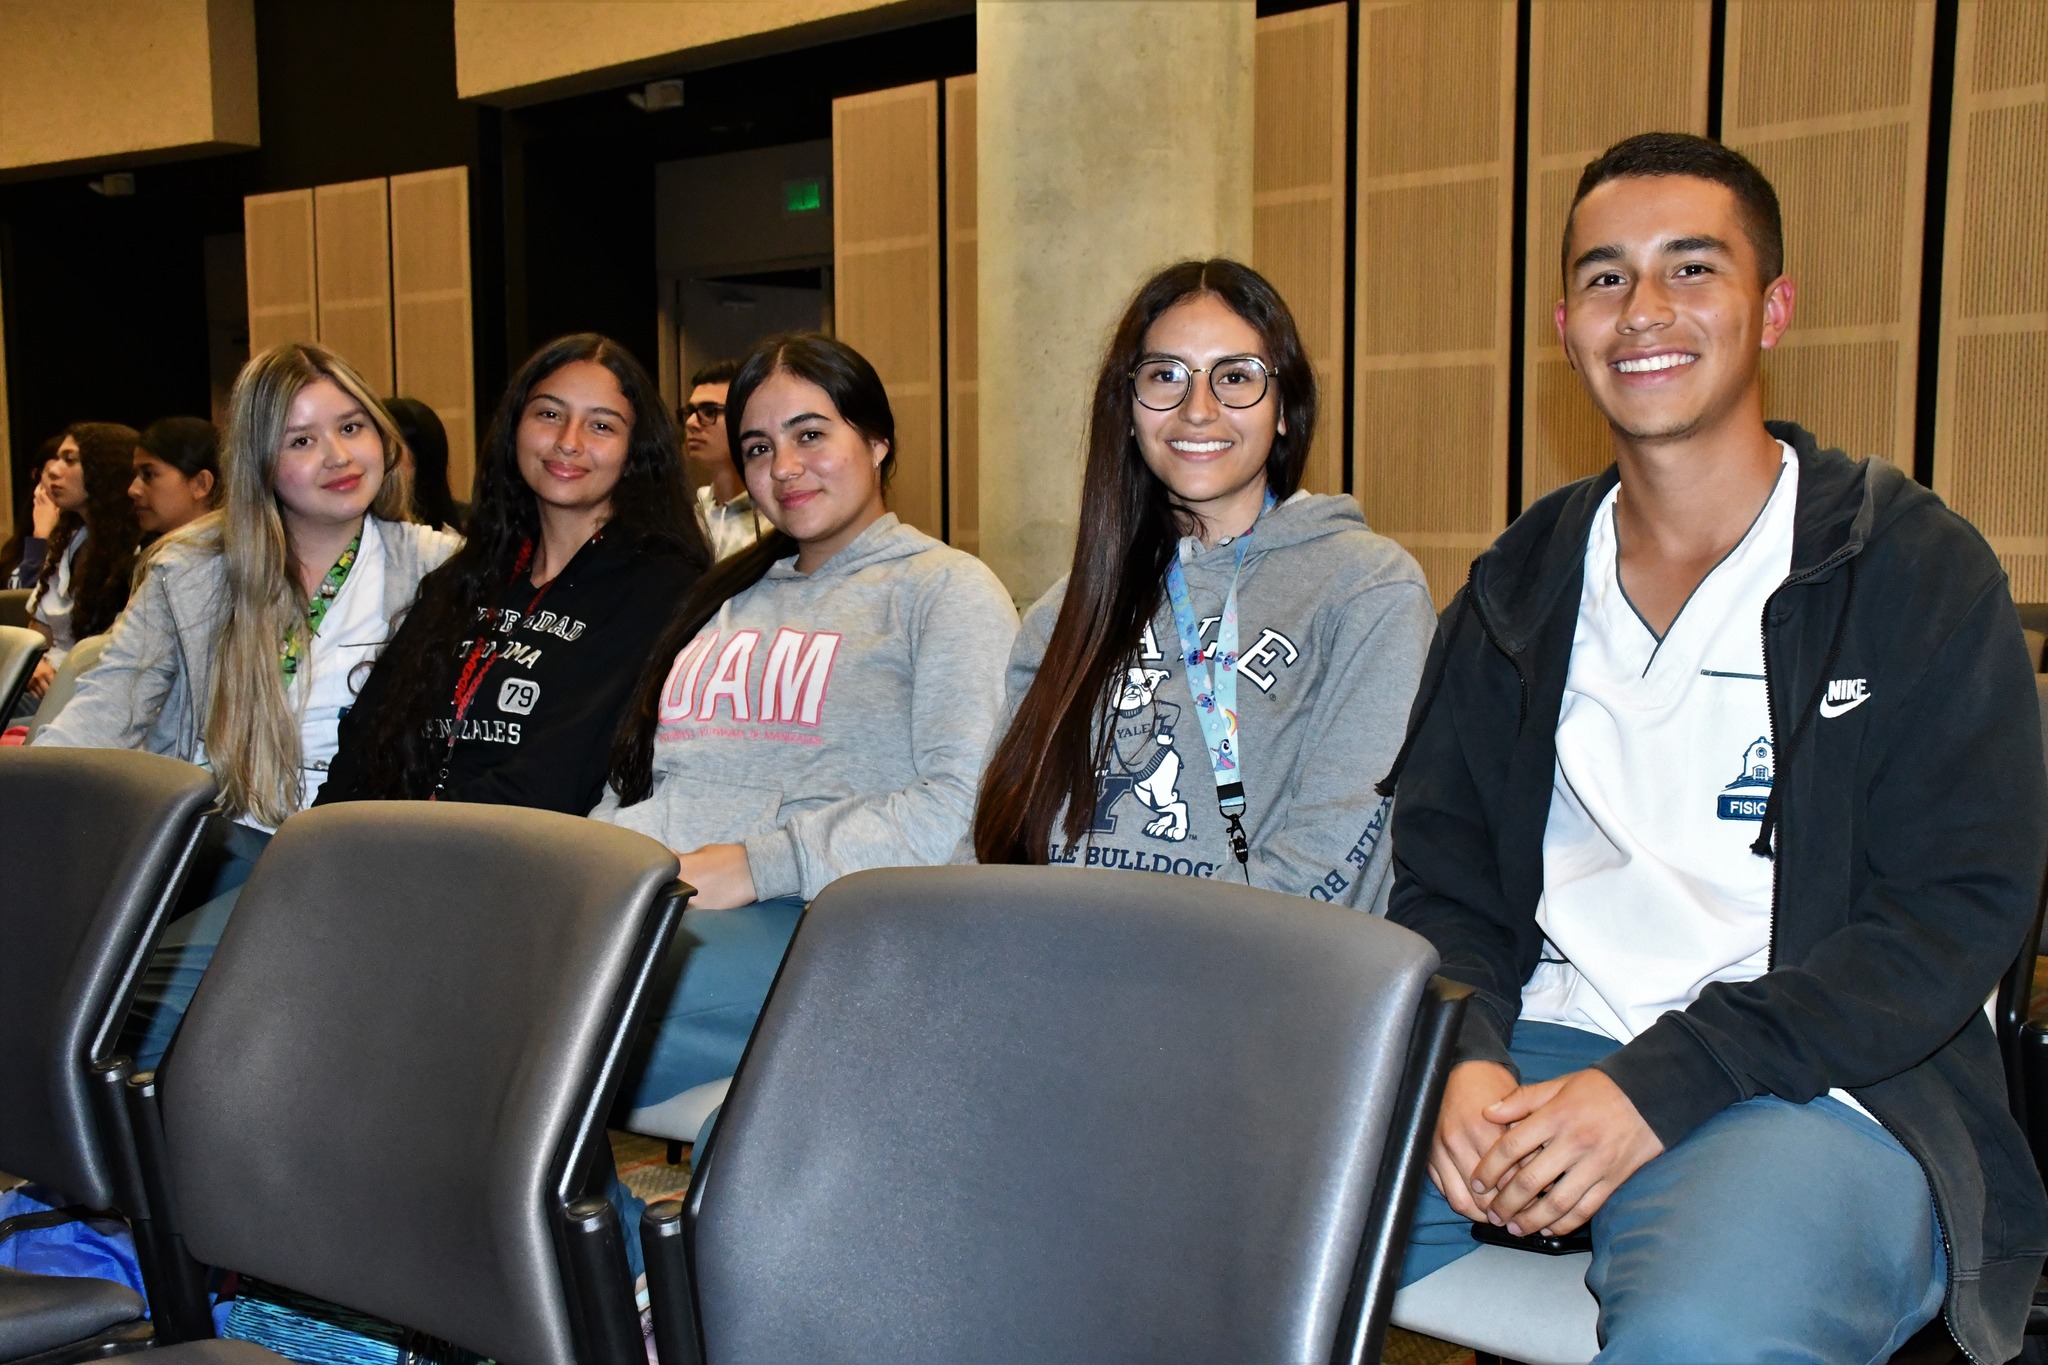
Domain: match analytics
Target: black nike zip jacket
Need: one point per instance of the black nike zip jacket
(1909, 833)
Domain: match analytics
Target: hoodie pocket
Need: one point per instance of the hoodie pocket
(698, 809)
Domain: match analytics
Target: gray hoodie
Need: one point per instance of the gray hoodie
(153, 684)
(1334, 622)
(836, 720)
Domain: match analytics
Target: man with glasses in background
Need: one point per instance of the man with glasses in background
(723, 508)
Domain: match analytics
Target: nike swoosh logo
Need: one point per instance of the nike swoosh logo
(1829, 709)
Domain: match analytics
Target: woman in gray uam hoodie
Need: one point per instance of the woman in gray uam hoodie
(1203, 417)
(819, 705)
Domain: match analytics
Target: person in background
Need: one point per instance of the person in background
(88, 556)
(507, 680)
(725, 508)
(426, 456)
(177, 474)
(241, 646)
(1726, 799)
(34, 518)
(1218, 683)
(736, 753)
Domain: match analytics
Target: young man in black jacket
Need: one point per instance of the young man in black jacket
(1724, 791)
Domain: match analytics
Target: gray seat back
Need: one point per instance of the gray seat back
(83, 656)
(1002, 1113)
(14, 606)
(400, 1053)
(20, 649)
(97, 842)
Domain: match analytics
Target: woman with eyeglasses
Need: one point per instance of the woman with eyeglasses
(1219, 682)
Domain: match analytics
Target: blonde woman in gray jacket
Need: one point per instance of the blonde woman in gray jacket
(819, 705)
(249, 630)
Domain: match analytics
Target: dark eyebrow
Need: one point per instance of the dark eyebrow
(805, 417)
(1679, 246)
(1595, 256)
(531, 399)
(356, 411)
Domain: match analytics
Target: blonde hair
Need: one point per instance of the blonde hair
(252, 729)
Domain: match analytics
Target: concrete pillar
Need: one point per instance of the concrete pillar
(1113, 138)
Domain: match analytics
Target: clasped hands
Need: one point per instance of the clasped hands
(1536, 1158)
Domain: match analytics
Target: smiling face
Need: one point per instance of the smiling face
(809, 470)
(332, 461)
(164, 498)
(64, 476)
(573, 437)
(1664, 316)
(1211, 457)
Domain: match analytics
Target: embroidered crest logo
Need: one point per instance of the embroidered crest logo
(1746, 797)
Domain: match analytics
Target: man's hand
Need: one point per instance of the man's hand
(721, 876)
(1463, 1132)
(1570, 1143)
(40, 680)
(43, 511)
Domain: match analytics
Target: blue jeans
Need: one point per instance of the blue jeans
(706, 996)
(186, 950)
(1773, 1231)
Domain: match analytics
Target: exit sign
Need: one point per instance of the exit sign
(802, 196)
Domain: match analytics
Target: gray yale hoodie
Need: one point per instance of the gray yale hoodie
(833, 721)
(1333, 625)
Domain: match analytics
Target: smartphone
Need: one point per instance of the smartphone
(1582, 1240)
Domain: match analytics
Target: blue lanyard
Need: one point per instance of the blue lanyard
(1212, 677)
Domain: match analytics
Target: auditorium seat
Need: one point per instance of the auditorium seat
(20, 650)
(1011, 1113)
(389, 1091)
(14, 606)
(97, 843)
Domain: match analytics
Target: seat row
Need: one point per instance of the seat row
(988, 1113)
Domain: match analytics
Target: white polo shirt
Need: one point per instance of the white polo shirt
(1664, 763)
(332, 671)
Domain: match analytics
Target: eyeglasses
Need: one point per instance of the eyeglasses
(710, 414)
(1162, 383)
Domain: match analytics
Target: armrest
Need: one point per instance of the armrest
(671, 1292)
(178, 1302)
(603, 1284)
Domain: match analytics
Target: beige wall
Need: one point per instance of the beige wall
(519, 51)
(91, 82)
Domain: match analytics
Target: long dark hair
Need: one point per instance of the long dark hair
(856, 390)
(105, 564)
(650, 510)
(1129, 527)
(427, 439)
(190, 445)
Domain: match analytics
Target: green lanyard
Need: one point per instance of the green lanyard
(316, 610)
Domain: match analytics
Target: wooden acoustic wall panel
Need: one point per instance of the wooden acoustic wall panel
(1298, 203)
(1991, 412)
(430, 291)
(277, 237)
(1436, 112)
(1577, 109)
(963, 317)
(885, 251)
(1830, 99)
(352, 255)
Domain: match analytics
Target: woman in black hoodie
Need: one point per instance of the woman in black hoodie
(507, 679)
